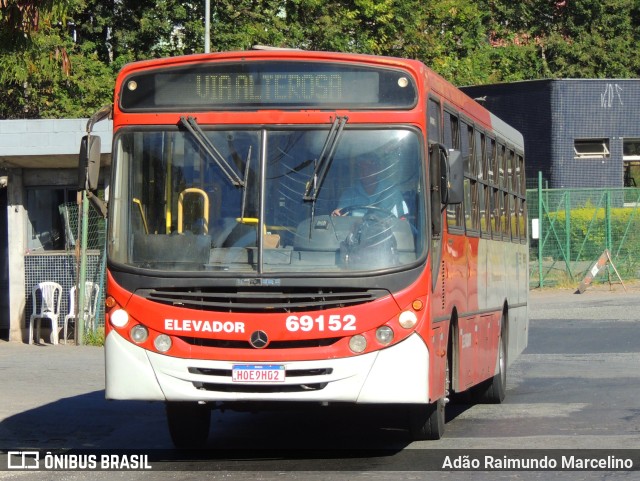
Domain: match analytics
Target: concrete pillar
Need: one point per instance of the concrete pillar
(16, 220)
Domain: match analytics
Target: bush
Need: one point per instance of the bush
(588, 236)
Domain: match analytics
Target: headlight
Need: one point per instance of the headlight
(139, 333)
(384, 335)
(358, 343)
(119, 318)
(162, 343)
(408, 319)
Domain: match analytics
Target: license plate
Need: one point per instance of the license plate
(259, 373)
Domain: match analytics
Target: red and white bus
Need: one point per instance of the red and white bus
(293, 226)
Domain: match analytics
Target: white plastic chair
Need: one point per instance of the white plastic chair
(47, 308)
(91, 294)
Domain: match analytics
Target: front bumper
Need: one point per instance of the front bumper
(397, 374)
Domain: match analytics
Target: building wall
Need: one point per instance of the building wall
(36, 154)
(592, 109)
(526, 106)
(21, 140)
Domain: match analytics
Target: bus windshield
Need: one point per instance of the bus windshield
(197, 199)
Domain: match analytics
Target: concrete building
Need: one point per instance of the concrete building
(38, 178)
(578, 132)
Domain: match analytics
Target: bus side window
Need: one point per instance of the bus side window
(455, 212)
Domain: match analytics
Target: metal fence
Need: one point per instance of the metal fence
(572, 228)
(92, 258)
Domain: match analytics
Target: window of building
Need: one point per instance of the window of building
(591, 148)
(631, 159)
(47, 228)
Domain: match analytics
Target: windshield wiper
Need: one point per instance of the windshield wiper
(191, 124)
(324, 161)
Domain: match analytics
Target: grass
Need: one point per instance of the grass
(94, 338)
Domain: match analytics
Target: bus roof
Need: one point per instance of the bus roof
(435, 82)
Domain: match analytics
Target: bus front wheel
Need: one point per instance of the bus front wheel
(426, 421)
(189, 423)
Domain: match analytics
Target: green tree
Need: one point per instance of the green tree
(451, 38)
(60, 57)
(594, 40)
(562, 38)
(43, 73)
(363, 26)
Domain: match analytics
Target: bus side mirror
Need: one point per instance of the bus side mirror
(89, 162)
(452, 180)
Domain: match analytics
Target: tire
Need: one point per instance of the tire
(493, 391)
(427, 421)
(189, 423)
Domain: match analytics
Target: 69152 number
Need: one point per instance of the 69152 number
(332, 322)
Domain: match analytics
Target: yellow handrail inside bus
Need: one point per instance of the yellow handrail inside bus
(205, 214)
(169, 182)
(142, 216)
(248, 220)
(271, 240)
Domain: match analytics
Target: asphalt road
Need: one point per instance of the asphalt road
(575, 387)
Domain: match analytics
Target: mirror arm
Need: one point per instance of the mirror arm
(99, 204)
(104, 113)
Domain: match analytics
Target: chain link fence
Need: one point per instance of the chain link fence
(95, 256)
(572, 228)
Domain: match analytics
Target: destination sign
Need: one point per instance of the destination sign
(268, 88)
(268, 85)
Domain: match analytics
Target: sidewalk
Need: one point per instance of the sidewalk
(54, 396)
(599, 288)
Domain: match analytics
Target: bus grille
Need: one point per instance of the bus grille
(263, 300)
(258, 388)
(230, 344)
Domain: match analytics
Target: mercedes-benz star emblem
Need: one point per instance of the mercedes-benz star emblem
(259, 339)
